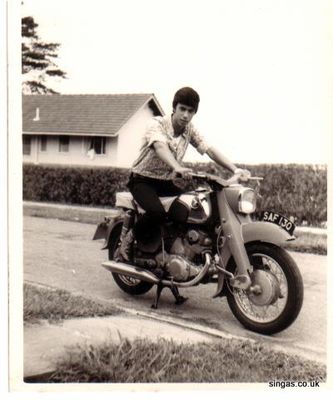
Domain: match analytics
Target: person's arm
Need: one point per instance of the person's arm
(220, 159)
(198, 141)
(223, 161)
(164, 153)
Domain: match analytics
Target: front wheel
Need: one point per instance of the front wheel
(126, 283)
(275, 297)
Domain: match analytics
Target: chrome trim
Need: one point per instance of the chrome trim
(147, 276)
(197, 278)
(130, 270)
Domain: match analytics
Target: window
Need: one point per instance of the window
(26, 145)
(43, 143)
(98, 144)
(64, 143)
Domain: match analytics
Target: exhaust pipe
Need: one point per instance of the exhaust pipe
(147, 276)
(130, 270)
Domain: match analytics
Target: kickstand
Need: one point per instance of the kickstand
(174, 290)
(179, 299)
(160, 287)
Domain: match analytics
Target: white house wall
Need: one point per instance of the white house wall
(53, 156)
(77, 154)
(103, 160)
(121, 151)
(130, 137)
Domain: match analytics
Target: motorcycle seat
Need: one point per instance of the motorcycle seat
(126, 200)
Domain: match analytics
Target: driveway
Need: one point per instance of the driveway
(62, 254)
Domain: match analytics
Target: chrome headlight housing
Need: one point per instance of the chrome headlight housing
(247, 201)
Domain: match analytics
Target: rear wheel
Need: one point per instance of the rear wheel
(126, 283)
(277, 291)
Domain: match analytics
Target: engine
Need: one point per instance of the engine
(184, 260)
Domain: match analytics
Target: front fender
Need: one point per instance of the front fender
(257, 231)
(260, 231)
(104, 229)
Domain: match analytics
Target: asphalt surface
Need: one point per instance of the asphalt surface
(62, 254)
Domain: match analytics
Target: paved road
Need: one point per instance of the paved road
(62, 254)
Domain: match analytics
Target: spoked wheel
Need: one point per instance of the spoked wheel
(126, 283)
(275, 297)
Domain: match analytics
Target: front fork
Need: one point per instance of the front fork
(232, 231)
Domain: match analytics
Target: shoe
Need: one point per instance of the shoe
(126, 246)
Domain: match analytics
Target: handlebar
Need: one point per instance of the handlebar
(223, 182)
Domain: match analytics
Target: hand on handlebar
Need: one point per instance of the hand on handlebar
(243, 175)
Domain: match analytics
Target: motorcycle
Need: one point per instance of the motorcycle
(218, 241)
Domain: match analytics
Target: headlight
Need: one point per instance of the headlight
(247, 201)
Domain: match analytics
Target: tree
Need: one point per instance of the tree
(38, 66)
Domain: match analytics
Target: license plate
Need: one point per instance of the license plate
(278, 219)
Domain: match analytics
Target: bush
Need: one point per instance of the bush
(298, 191)
(73, 185)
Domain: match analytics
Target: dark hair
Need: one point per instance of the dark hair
(187, 96)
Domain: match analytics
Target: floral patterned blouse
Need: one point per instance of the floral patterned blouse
(161, 130)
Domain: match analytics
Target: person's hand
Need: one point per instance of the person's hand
(242, 174)
(182, 172)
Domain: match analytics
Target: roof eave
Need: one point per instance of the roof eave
(151, 97)
(69, 133)
(157, 104)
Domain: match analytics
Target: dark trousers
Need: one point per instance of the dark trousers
(146, 192)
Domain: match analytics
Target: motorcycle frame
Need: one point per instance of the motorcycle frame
(232, 231)
(238, 230)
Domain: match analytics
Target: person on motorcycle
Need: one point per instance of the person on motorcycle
(159, 161)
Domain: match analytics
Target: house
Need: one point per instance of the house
(87, 130)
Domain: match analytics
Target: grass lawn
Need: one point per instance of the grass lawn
(56, 304)
(307, 242)
(142, 361)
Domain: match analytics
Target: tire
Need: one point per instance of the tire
(280, 281)
(126, 283)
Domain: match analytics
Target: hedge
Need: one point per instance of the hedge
(298, 191)
(73, 185)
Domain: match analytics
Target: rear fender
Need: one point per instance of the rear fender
(104, 229)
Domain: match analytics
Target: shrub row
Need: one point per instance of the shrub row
(73, 185)
(298, 191)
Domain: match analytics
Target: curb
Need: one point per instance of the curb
(94, 215)
(89, 215)
(41, 374)
(44, 359)
(154, 316)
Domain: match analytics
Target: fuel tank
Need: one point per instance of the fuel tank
(192, 207)
(198, 206)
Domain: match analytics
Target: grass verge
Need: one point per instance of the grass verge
(144, 361)
(307, 242)
(56, 304)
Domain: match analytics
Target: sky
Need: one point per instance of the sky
(263, 68)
